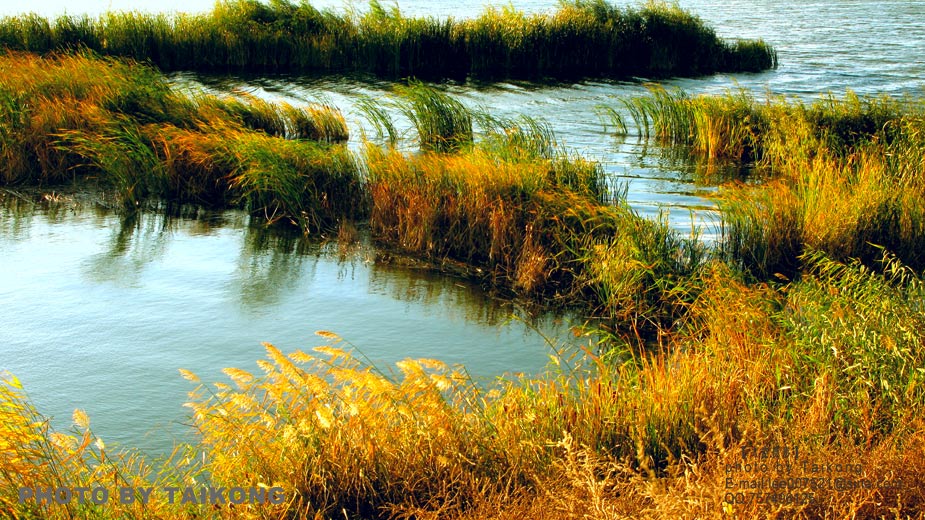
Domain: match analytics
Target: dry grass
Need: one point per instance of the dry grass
(756, 374)
(34, 456)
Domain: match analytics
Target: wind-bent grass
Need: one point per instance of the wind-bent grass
(830, 367)
(581, 39)
(280, 119)
(71, 116)
(34, 456)
(442, 123)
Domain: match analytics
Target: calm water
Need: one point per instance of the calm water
(98, 312)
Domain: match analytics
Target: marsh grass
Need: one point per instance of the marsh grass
(527, 214)
(581, 39)
(736, 125)
(846, 194)
(695, 360)
(729, 126)
(279, 119)
(841, 174)
(81, 116)
(442, 123)
(507, 201)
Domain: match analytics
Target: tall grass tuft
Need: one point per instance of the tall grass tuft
(727, 127)
(738, 126)
(280, 119)
(846, 183)
(582, 39)
(442, 123)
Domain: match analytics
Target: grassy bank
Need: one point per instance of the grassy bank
(581, 39)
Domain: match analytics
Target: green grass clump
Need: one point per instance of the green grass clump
(839, 189)
(280, 119)
(730, 126)
(582, 39)
(442, 123)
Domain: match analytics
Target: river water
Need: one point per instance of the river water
(99, 311)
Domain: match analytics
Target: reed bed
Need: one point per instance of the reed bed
(582, 39)
(829, 367)
(706, 362)
(848, 188)
(738, 126)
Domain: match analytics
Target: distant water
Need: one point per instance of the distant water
(870, 46)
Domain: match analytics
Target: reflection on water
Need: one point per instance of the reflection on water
(135, 243)
(100, 310)
(269, 265)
